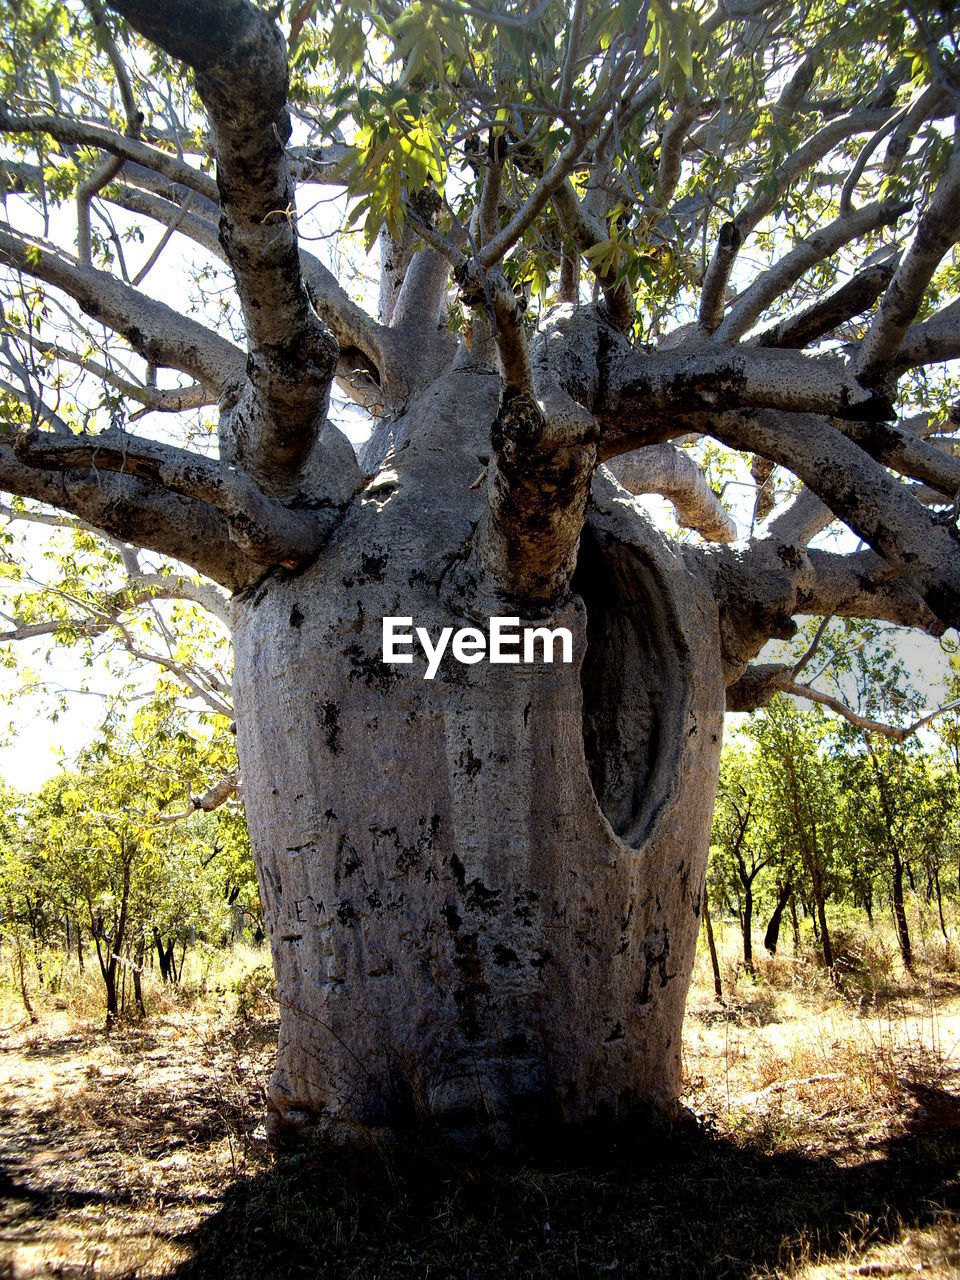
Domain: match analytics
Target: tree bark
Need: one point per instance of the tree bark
(483, 891)
(712, 947)
(899, 911)
(772, 935)
(748, 928)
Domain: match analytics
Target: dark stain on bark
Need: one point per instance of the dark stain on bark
(346, 912)
(516, 1046)
(331, 723)
(523, 904)
(472, 987)
(363, 666)
(656, 949)
(296, 617)
(373, 567)
(476, 894)
(452, 918)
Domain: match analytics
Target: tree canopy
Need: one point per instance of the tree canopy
(767, 193)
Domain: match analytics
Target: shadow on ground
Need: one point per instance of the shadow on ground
(694, 1204)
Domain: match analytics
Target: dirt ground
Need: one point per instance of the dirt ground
(822, 1140)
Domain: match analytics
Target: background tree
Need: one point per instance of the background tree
(117, 846)
(802, 801)
(740, 849)
(483, 891)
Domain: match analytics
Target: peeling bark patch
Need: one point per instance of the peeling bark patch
(364, 666)
(523, 904)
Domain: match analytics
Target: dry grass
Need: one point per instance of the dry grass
(827, 1145)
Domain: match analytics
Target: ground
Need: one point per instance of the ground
(822, 1139)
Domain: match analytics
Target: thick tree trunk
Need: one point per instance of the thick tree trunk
(483, 891)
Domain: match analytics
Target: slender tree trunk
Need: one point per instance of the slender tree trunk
(137, 981)
(712, 947)
(819, 900)
(748, 929)
(899, 912)
(482, 890)
(939, 896)
(79, 946)
(110, 983)
(772, 935)
(795, 922)
(21, 973)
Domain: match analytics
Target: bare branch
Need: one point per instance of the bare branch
(211, 799)
(799, 522)
(713, 295)
(267, 530)
(932, 341)
(491, 290)
(671, 472)
(758, 685)
(586, 232)
(828, 313)
(87, 134)
(175, 216)
(876, 507)
(648, 397)
(186, 529)
(671, 147)
(153, 399)
(570, 57)
(238, 56)
(773, 190)
(770, 284)
(907, 453)
(161, 335)
(937, 230)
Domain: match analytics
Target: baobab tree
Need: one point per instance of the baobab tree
(606, 233)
